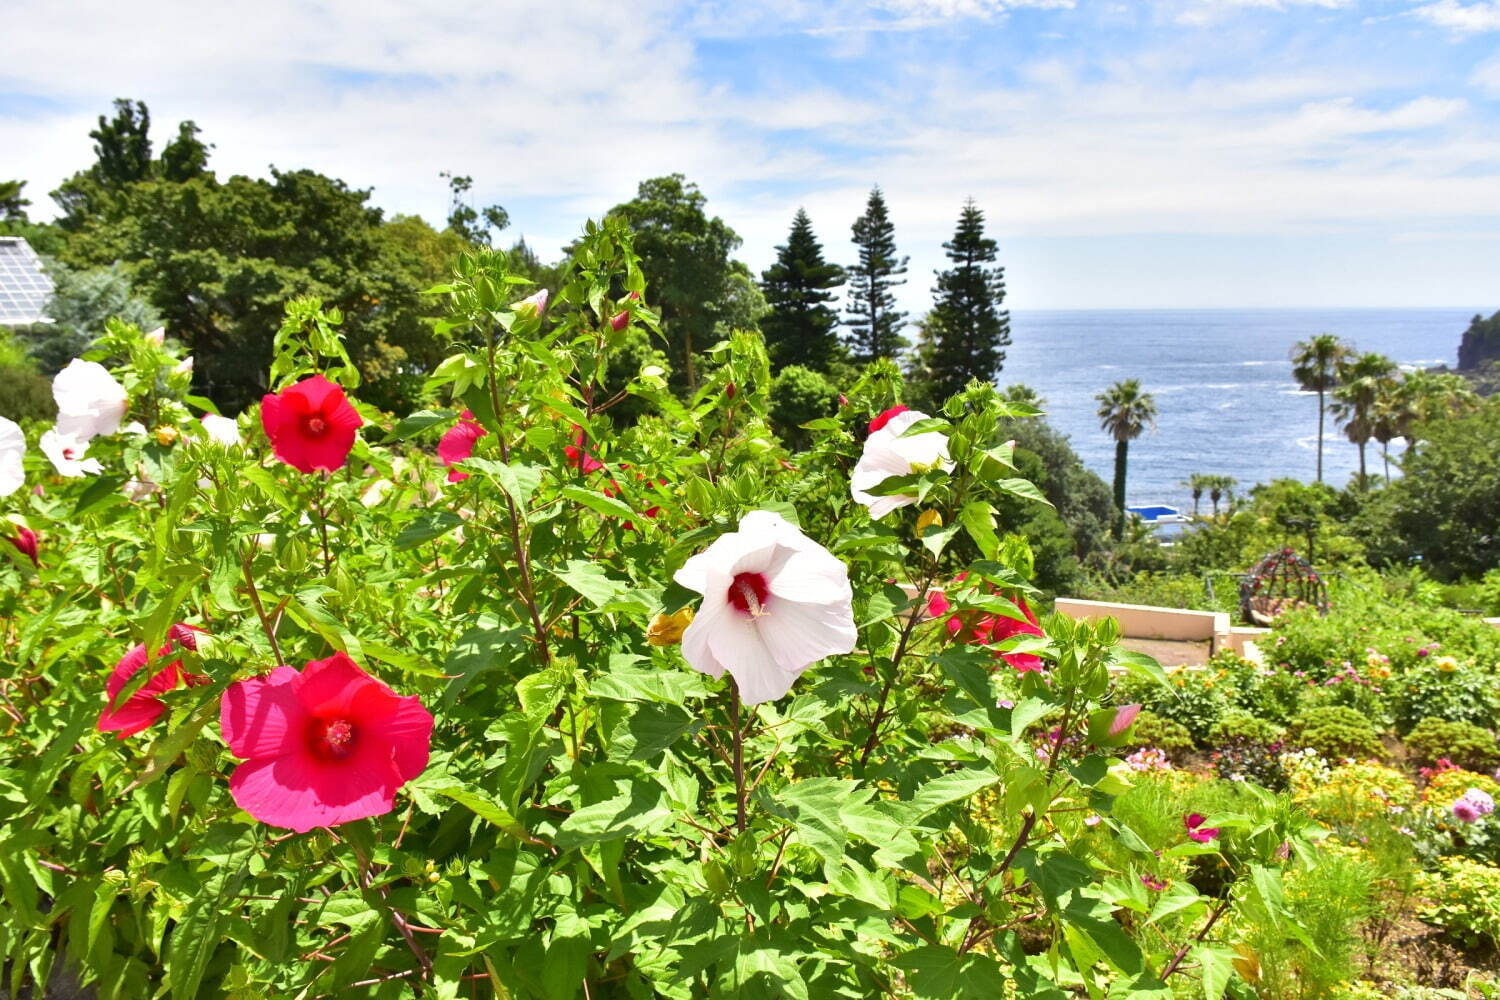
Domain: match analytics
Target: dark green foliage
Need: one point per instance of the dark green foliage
(464, 220)
(1169, 735)
(1335, 731)
(1238, 724)
(798, 287)
(629, 352)
(186, 156)
(1241, 758)
(82, 302)
(1080, 497)
(1445, 507)
(12, 204)
(24, 394)
(968, 329)
(122, 151)
(1465, 744)
(1481, 343)
(799, 395)
(685, 257)
(872, 322)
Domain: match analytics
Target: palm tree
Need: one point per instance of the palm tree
(1361, 383)
(1218, 488)
(1427, 396)
(1124, 413)
(1315, 366)
(1196, 483)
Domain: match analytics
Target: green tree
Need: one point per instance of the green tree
(1196, 484)
(1445, 507)
(82, 302)
(872, 322)
(798, 287)
(685, 256)
(464, 219)
(1361, 382)
(1124, 414)
(186, 156)
(1315, 366)
(1220, 487)
(12, 203)
(969, 329)
(122, 156)
(799, 395)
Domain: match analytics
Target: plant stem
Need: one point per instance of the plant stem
(260, 611)
(1213, 918)
(739, 755)
(890, 680)
(323, 522)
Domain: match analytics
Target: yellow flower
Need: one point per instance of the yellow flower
(1446, 664)
(928, 519)
(166, 435)
(666, 630)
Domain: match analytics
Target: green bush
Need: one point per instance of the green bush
(1463, 898)
(1238, 725)
(1336, 731)
(1442, 689)
(800, 395)
(1152, 730)
(1193, 699)
(1465, 744)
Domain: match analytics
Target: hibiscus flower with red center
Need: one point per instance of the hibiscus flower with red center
(325, 745)
(458, 443)
(144, 706)
(311, 425)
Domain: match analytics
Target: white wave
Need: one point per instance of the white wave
(1259, 364)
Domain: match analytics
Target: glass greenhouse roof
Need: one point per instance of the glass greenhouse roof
(24, 289)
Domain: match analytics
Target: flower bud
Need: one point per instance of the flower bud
(730, 391)
(666, 630)
(166, 435)
(157, 337)
(184, 367)
(532, 305)
(25, 542)
(619, 320)
(928, 519)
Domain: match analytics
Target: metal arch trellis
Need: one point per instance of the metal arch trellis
(1280, 582)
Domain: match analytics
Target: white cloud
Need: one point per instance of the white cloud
(1464, 18)
(1486, 76)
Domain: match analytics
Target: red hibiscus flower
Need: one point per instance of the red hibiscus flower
(311, 425)
(145, 706)
(458, 444)
(991, 629)
(578, 458)
(885, 417)
(1196, 830)
(25, 542)
(324, 746)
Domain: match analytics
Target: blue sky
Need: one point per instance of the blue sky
(1189, 153)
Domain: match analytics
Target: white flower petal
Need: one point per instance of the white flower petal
(89, 400)
(221, 430)
(12, 451)
(887, 454)
(807, 615)
(66, 454)
(738, 642)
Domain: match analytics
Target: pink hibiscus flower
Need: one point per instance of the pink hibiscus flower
(1196, 830)
(324, 746)
(577, 456)
(458, 444)
(991, 629)
(144, 706)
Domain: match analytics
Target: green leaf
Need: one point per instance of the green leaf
(936, 539)
(519, 481)
(954, 786)
(1217, 966)
(598, 501)
(635, 808)
(650, 730)
(196, 937)
(590, 581)
(1023, 488)
(427, 526)
(103, 489)
(478, 803)
(416, 423)
(978, 519)
(938, 972)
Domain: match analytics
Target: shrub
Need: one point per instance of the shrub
(1152, 730)
(1463, 898)
(1359, 793)
(800, 395)
(1240, 725)
(1336, 731)
(1239, 759)
(1464, 743)
(1445, 686)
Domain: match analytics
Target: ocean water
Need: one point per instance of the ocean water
(1226, 400)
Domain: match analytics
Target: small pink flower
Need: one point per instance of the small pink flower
(1153, 883)
(324, 746)
(1196, 830)
(144, 706)
(1465, 810)
(533, 305)
(1093, 820)
(25, 542)
(458, 443)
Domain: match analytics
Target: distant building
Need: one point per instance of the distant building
(24, 289)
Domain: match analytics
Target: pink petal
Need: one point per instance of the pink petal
(299, 792)
(262, 717)
(407, 728)
(329, 687)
